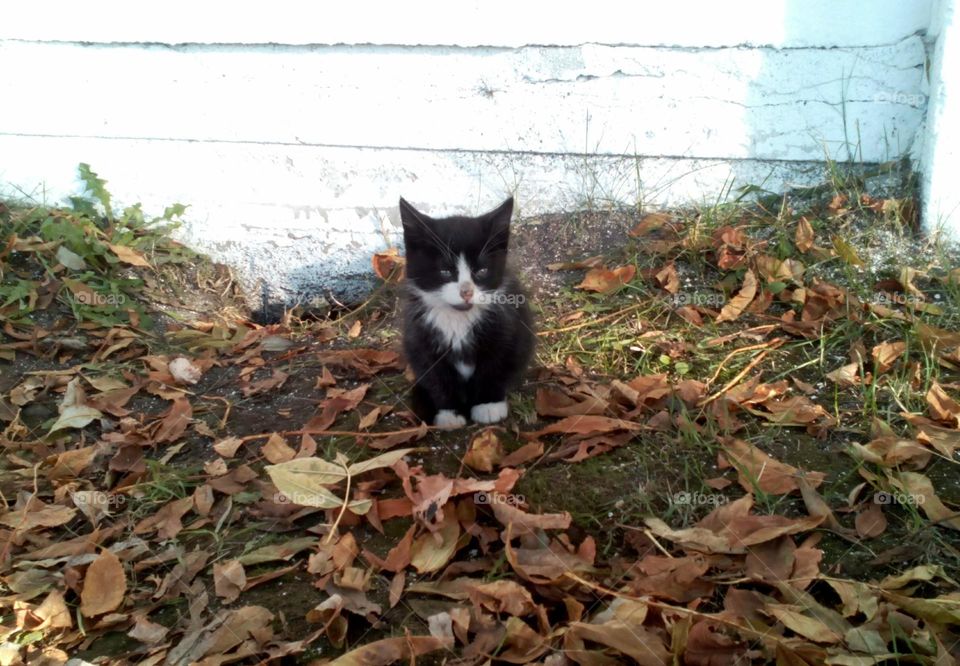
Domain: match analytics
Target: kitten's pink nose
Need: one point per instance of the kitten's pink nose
(466, 292)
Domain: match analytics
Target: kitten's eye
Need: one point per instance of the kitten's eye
(482, 272)
(446, 274)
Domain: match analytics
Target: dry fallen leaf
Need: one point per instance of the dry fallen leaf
(128, 255)
(485, 451)
(739, 303)
(942, 407)
(388, 265)
(886, 354)
(104, 586)
(756, 469)
(606, 281)
(184, 371)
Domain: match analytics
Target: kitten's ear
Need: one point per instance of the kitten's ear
(414, 222)
(497, 223)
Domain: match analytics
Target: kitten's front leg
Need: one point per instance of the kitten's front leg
(441, 387)
(488, 398)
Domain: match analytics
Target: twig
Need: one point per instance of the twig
(583, 324)
(759, 345)
(740, 375)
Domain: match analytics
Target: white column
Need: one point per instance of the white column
(940, 155)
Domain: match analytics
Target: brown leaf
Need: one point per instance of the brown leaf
(390, 650)
(369, 419)
(273, 382)
(551, 402)
(433, 550)
(886, 354)
(587, 425)
(53, 612)
(847, 375)
(173, 425)
(485, 451)
(690, 314)
(366, 362)
(644, 646)
(803, 237)
(754, 467)
(668, 279)
(520, 523)
(276, 450)
(919, 490)
(739, 303)
(771, 560)
(503, 596)
(870, 522)
(524, 454)
(229, 580)
(146, 631)
(166, 521)
(677, 578)
(650, 222)
(228, 446)
(942, 407)
(803, 625)
(69, 464)
(388, 265)
(37, 514)
(605, 281)
(104, 585)
(128, 255)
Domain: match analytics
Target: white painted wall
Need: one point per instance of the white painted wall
(292, 130)
(939, 149)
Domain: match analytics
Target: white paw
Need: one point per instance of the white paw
(489, 412)
(447, 418)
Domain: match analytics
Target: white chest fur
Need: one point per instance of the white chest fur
(454, 326)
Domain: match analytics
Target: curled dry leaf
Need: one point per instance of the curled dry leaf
(739, 303)
(846, 375)
(606, 281)
(886, 354)
(803, 237)
(485, 451)
(388, 265)
(942, 407)
(184, 371)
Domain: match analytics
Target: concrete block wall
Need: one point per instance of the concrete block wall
(292, 129)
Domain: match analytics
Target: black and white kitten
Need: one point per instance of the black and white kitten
(468, 332)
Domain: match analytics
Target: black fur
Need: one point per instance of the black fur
(501, 340)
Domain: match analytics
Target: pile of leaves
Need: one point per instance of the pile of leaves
(182, 490)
